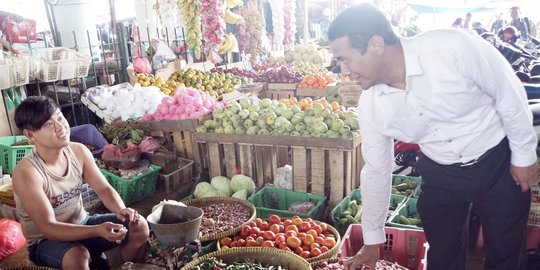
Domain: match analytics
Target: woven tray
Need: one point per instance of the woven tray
(265, 256)
(329, 254)
(202, 202)
(6, 194)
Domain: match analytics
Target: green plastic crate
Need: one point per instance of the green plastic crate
(135, 189)
(275, 201)
(407, 209)
(416, 180)
(11, 155)
(355, 195)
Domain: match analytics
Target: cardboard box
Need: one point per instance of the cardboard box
(18, 31)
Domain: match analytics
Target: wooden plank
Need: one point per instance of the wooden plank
(198, 154)
(360, 164)
(354, 173)
(300, 177)
(246, 160)
(337, 177)
(214, 159)
(274, 167)
(230, 159)
(258, 166)
(322, 143)
(282, 155)
(311, 92)
(188, 142)
(179, 144)
(170, 125)
(348, 172)
(317, 171)
(267, 164)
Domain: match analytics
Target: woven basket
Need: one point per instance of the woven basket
(329, 254)
(6, 194)
(264, 256)
(202, 202)
(329, 261)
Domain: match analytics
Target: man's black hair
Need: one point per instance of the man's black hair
(34, 112)
(360, 23)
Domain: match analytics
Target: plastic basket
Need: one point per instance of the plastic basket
(83, 65)
(269, 201)
(21, 70)
(53, 54)
(405, 247)
(534, 214)
(11, 155)
(135, 189)
(407, 209)
(47, 71)
(337, 211)
(396, 179)
(6, 76)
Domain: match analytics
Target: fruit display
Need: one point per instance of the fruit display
(212, 83)
(254, 116)
(309, 68)
(316, 81)
(238, 72)
(220, 217)
(242, 37)
(233, 18)
(167, 11)
(228, 44)
(261, 67)
(305, 237)
(289, 9)
(282, 74)
(215, 264)
(213, 25)
(309, 53)
(254, 23)
(381, 265)
(403, 186)
(239, 186)
(188, 103)
(168, 88)
(191, 15)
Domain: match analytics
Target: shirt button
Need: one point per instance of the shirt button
(421, 114)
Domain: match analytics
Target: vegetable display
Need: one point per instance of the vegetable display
(215, 264)
(239, 186)
(381, 265)
(284, 117)
(304, 237)
(220, 217)
(403, 187)
(191, 15)
(124, 173)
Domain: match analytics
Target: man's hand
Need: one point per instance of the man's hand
(112, 232)
(525, 177)
(368, 254)
(128, 214)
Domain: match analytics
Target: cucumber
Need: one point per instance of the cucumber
(402, 187)
(351, 219)
(405, 221)
(358, 215)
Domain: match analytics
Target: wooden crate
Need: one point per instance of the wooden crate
(329, 167)
(280, 90)
(311, 92)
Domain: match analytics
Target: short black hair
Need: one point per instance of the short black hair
(360, 23)
(34, 112)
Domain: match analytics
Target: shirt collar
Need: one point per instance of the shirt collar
(412, 64)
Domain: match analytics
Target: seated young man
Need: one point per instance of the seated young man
(47, 186)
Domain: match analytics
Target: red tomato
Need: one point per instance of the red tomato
(225, 241)
(301, 235)
(293, 242)
(245, 232)
(308, 219)
(236, 238)
(297, 221)
(298, 250)
(287, 222)
(290, 233)
(318, 229)
(312, 223)
(254, 235)
(233, 244)
(252, 224)
(250, 238)
(264, 226)
(259, 241)
(255, 230)
(287, 249)
(291, 228)
(281, 228)
(268, 244)
(282, 245)
(275, 228)
(251, 243)
(329, 243)
(312, 232)
(324, 226)
(241, 243)
(319, 240)
(316, 252)
(324, 249)
(258, 221)
(280, 239)
(304, 226)
(269, 235)
(308, 240)
(274, 219)
(305, 254)
(314, 246)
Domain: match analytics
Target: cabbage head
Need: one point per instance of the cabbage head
(203, 190)
(239, 182)
(241, 194)
(222, 185)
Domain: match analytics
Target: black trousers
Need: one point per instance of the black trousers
(448, 194)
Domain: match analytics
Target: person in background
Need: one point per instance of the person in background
(47, 187)
(455, 95)
(498, 24)
(509, 34)
(523, 25)
(467, 23)
(458, 23)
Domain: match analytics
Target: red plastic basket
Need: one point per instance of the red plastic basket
(403, 246)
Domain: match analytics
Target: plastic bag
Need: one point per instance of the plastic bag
(163, 55)
(121, 159)
(284, 178)
(301, 207)
(89, 135)
(11, 237)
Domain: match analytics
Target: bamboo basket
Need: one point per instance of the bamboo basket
(265, 256)
(202, 202)
(329, 254)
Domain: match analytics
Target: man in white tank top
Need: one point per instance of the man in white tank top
(47, 186)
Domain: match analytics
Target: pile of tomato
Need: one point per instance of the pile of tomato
(304, 237)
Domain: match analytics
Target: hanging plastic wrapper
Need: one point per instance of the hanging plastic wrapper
(213, 25)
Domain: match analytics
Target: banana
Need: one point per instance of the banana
(233, 18)
(225, 45)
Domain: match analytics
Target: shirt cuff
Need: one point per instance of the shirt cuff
(523, 159)
(374, 237)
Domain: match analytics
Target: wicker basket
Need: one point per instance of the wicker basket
(6, 194)
(329, 254)
(265, 256)
(202, 202)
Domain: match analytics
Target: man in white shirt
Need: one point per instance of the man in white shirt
(458, 98)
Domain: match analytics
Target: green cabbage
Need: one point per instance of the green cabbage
(203, 190)
(222, 185)
(241, 194)
(239, 182)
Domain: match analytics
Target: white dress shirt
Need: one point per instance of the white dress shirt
(461, 99)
